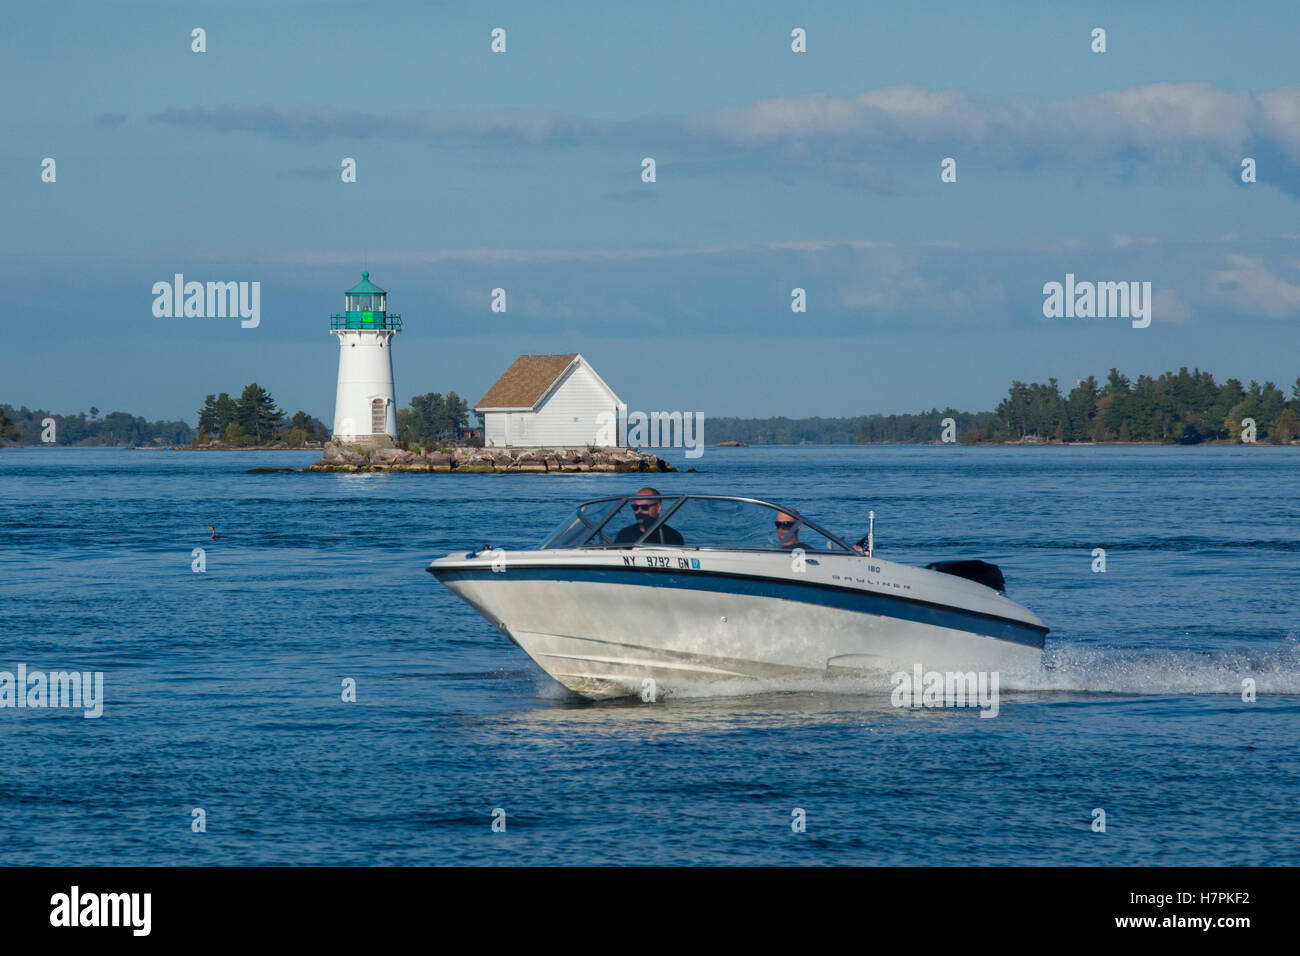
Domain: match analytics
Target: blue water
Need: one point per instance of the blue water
(223, 688)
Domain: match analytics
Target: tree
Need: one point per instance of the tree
(406, 430)
(312, 427)
(457, 413)
(116, 428)
(1141, 405)
(8, 430)
(257, 414)
(432, 418)
(120, 428)
(235, 434)
(227, 410)
(1012, 410)
(217, 413)
(1211, 419)
(1271, 404)
(1113, 408)
(1285, 427)
(1031, 409)
(1160, 425)
(1080, 408)
(209, 417)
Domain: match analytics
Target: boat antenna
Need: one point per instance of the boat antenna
(871, 532)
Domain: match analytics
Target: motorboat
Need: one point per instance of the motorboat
(680, 591)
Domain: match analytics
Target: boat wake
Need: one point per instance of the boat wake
(1274, 670)
(1070, 670)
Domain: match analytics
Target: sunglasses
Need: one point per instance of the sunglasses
(643, 507)
(786, 524)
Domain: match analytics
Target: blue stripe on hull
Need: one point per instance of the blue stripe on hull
(844, 599)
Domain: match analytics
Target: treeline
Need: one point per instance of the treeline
(922, 427)
(8, 430)
(1186, 408)
(861, 430)
(1176, 407)
(254, 419)
(782, 431)
(433, 418)
(116, 428)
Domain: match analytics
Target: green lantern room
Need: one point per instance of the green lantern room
(365, 306)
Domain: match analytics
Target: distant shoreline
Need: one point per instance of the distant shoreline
(1021, 444)
(1217, 443)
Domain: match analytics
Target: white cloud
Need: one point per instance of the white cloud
(907, 284)
(1159, 124)
(1251, 286)
(1167, 306)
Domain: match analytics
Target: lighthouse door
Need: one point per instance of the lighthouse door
(378, 418)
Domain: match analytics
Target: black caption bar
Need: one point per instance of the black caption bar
(334, 905)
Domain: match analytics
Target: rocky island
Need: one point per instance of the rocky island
(350, 458)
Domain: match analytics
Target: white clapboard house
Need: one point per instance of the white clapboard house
(548, 400)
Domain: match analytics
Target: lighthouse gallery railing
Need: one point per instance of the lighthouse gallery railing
(357, 320)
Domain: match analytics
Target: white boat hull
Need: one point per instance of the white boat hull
(602, 623)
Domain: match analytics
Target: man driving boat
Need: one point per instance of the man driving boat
(645, 509)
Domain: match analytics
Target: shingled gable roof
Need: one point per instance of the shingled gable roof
(526, 381)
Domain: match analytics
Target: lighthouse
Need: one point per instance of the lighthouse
(365, 410)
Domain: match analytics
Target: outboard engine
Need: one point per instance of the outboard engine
(981, 572)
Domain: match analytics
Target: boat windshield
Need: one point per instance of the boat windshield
(692, 521)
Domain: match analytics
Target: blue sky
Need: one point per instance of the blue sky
(522, 170)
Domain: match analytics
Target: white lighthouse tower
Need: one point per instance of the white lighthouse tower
(365, 409)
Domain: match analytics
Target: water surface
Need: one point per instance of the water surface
(223, 688)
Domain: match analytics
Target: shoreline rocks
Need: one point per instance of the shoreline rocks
(489, 460)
